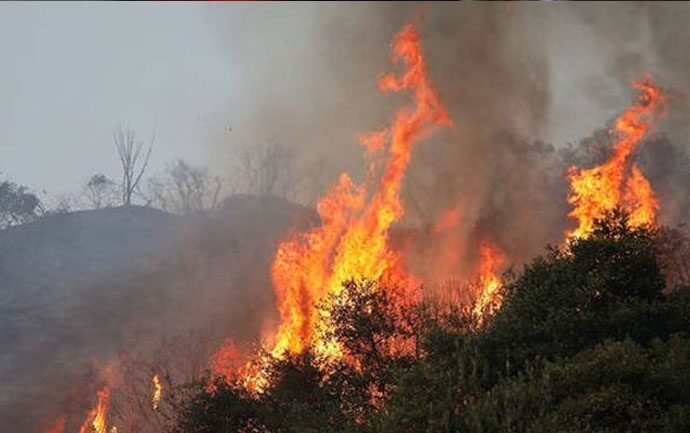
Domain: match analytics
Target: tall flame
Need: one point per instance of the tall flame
(618, 181)
(352, 242)
(491, 259)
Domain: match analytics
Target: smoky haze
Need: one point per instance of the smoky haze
(524, 84)
(531, 89)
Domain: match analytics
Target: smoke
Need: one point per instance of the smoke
(531, 89)
(317, 92)
(524, 85)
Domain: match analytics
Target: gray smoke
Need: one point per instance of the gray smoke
(524, 85)
(531, 89)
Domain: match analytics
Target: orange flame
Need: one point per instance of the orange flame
(97, 419)
(352, 242)
(640, 198)
(616, 182)
(491, 259)
(227, 362)
(157, 391)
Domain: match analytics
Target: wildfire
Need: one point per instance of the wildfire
(157, 391)
(352, 242)
(227, 362)
(491, 259)
(618, 181)
(97, 419)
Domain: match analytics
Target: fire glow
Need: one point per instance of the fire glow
(352, 242)
(97, 419)
(618, 182)
(157, 392)
(491, 259)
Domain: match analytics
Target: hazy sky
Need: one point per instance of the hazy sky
(71, 72)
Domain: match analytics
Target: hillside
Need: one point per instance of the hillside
(87, 285)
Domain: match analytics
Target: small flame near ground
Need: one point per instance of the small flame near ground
(157, 391)
(228, 362)
(97, 419)
(619, 182)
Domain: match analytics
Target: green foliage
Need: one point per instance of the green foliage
(585, 341)
(605, 286)
(299, 393)
(376, 329)
(615, 386)
(17, 204)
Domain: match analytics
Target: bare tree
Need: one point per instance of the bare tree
(267, 170)
(134, 159)
(99, 191)
(62, 204)
(186, 189)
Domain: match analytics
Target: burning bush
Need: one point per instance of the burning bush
(584, 330)
(377, 337)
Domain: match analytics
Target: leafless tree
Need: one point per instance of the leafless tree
(99, 191)
(186, 189)
(62, 204)
(267, 170)
(176, 361)
(134, 159)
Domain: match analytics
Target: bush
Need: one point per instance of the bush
(585, 341)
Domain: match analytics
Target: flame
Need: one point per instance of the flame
(352, 242)
(618, 182)
(157, 391)
(491, 259)
(227, 362)
(57, 427)
(97, 419)
(640, 198)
